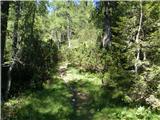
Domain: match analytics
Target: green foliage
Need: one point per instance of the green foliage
(37, 55)
(140, 113)
(46, 55)
(87, 57)
(55, 101)
(41, 105)
(106, 76)
(116, 66)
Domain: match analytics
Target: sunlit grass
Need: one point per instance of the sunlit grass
(74, 74)
(50, 102)
(53, 102)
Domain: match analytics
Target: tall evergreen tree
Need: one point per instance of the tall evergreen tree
(4, 19)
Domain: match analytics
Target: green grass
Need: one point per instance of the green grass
(53, 102)
(74, 75)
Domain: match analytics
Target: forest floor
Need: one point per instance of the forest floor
(71, 95)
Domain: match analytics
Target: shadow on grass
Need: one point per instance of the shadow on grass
(80, 100)
(86, 99)
(55, 102)
(50, 103)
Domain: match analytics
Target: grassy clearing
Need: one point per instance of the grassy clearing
(54, 102)
(73, 74)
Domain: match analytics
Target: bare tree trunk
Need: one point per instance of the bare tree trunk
(15, 32)
(137, 39)
(107, 28)
(144, 55)
(9, 78)
(14, 47)
(4, 19)
(57, 40)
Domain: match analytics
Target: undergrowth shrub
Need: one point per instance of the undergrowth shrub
(38, 60)
(145, 89)
(87, 57)
(140, 113)
(121, 84)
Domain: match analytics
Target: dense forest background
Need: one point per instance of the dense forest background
(80, 60)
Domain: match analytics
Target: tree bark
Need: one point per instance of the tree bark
(4, 20)
(144, 55)
(9, 78)
(15, 32)
(107, 27)
(34, 7)
(14, 46)
(137, 39)
(58, 40)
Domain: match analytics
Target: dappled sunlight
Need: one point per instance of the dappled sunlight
(46, 103)
(85, 60)
(74, 74)
(78, 99)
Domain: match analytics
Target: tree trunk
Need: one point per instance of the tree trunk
(33, 19)
(86, 2)
(137, 39)
(9, 78)
(4, 20)
(15, 37)
(107, 27)
(15, 32)
(144, 55)
(58, 41)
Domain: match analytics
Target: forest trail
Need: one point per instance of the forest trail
(80, 60)
(71, 95)
(81, 97)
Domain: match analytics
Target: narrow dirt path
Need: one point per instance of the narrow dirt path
(79, 99)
